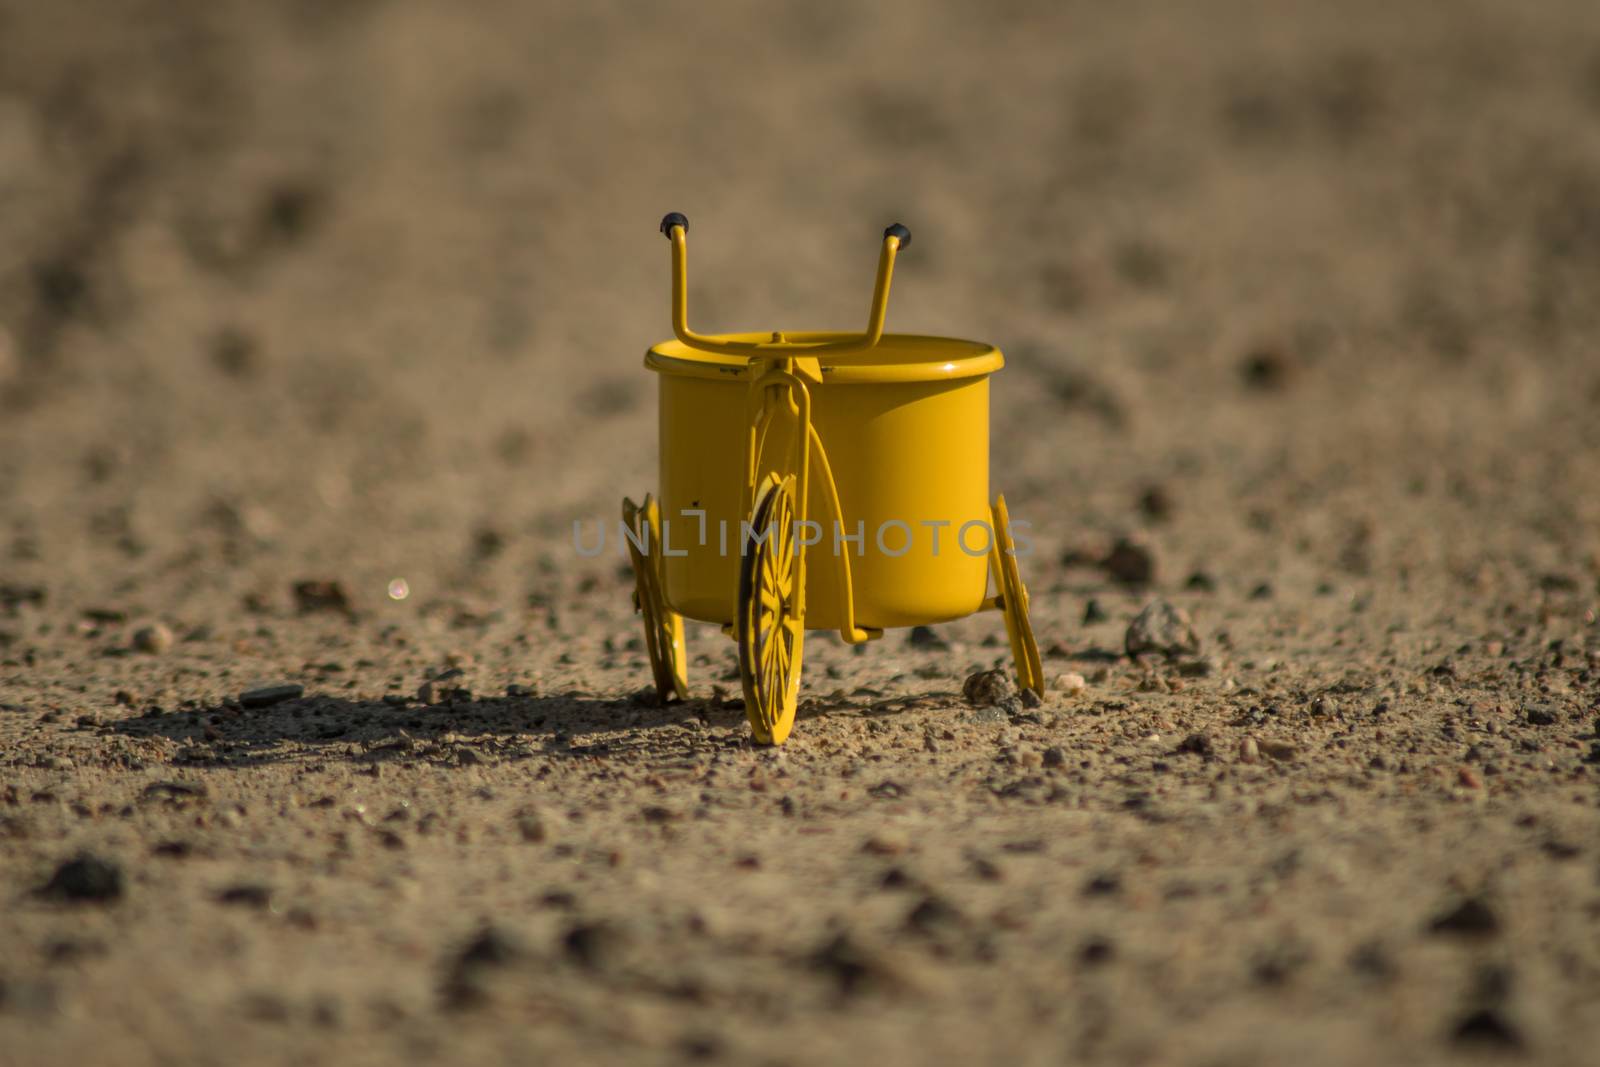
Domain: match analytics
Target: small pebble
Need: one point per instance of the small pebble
(1487, 1029)
(1470, 917)
(1097, 950)
(269, 695)
(592, 945)
(1541, 716)
(886, 843)
(1156, 503)
(854, 968)
(988, 688)
(532, 826)
(1280, 750)
(1072, 683)
(246, 895)
(153, 639)
(1249, 751)
(492, 947)
(1130, 563)
(1162, 628)
(85, 879)
(321, 595)
(1267, 369)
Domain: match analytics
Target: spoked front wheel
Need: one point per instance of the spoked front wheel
(1014, 601)
(769, 626)
(663, 627)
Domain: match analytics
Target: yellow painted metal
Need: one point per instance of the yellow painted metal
(898, 357)
(875, 444)
(770, 626)
(894, 456)
(1013, 600)
(734, 345)
(663, 627)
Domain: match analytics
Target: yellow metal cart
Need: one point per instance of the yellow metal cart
(822, 481)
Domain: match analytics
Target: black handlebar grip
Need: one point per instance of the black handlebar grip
(901, 232)
(674, 218)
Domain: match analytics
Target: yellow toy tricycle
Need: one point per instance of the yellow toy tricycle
(771, 445)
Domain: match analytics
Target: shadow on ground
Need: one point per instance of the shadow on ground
(468, 731)
(464, 731)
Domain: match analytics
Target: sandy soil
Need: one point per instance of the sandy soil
(1299, 296)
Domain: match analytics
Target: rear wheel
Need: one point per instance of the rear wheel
(768, 626)
(663, 627)
(1014, 601)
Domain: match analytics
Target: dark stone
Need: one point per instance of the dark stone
(321, 595)
(852, 968)
(491, 947)
(246, 896)
(270, 695)
(1097, 950)
(1486, 1028)
(1266, 370)
(1472, 917)
(932, 913)
(590, 944)
(1129, 563)
(85, 879)
(1103, 885)
(1541, 716)
(896, 878)
(1156, 503)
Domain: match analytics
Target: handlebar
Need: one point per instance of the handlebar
(676, 226)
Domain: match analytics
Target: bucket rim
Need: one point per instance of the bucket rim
(898, 357)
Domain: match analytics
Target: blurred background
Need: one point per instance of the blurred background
(368, 281)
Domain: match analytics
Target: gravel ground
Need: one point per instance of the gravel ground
(320, 325)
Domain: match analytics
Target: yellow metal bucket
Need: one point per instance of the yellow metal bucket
(906, 427)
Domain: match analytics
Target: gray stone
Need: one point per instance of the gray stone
(269, 695)
(1162, 628)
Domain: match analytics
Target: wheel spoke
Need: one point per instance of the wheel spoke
(767, 649)
(769, 569)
